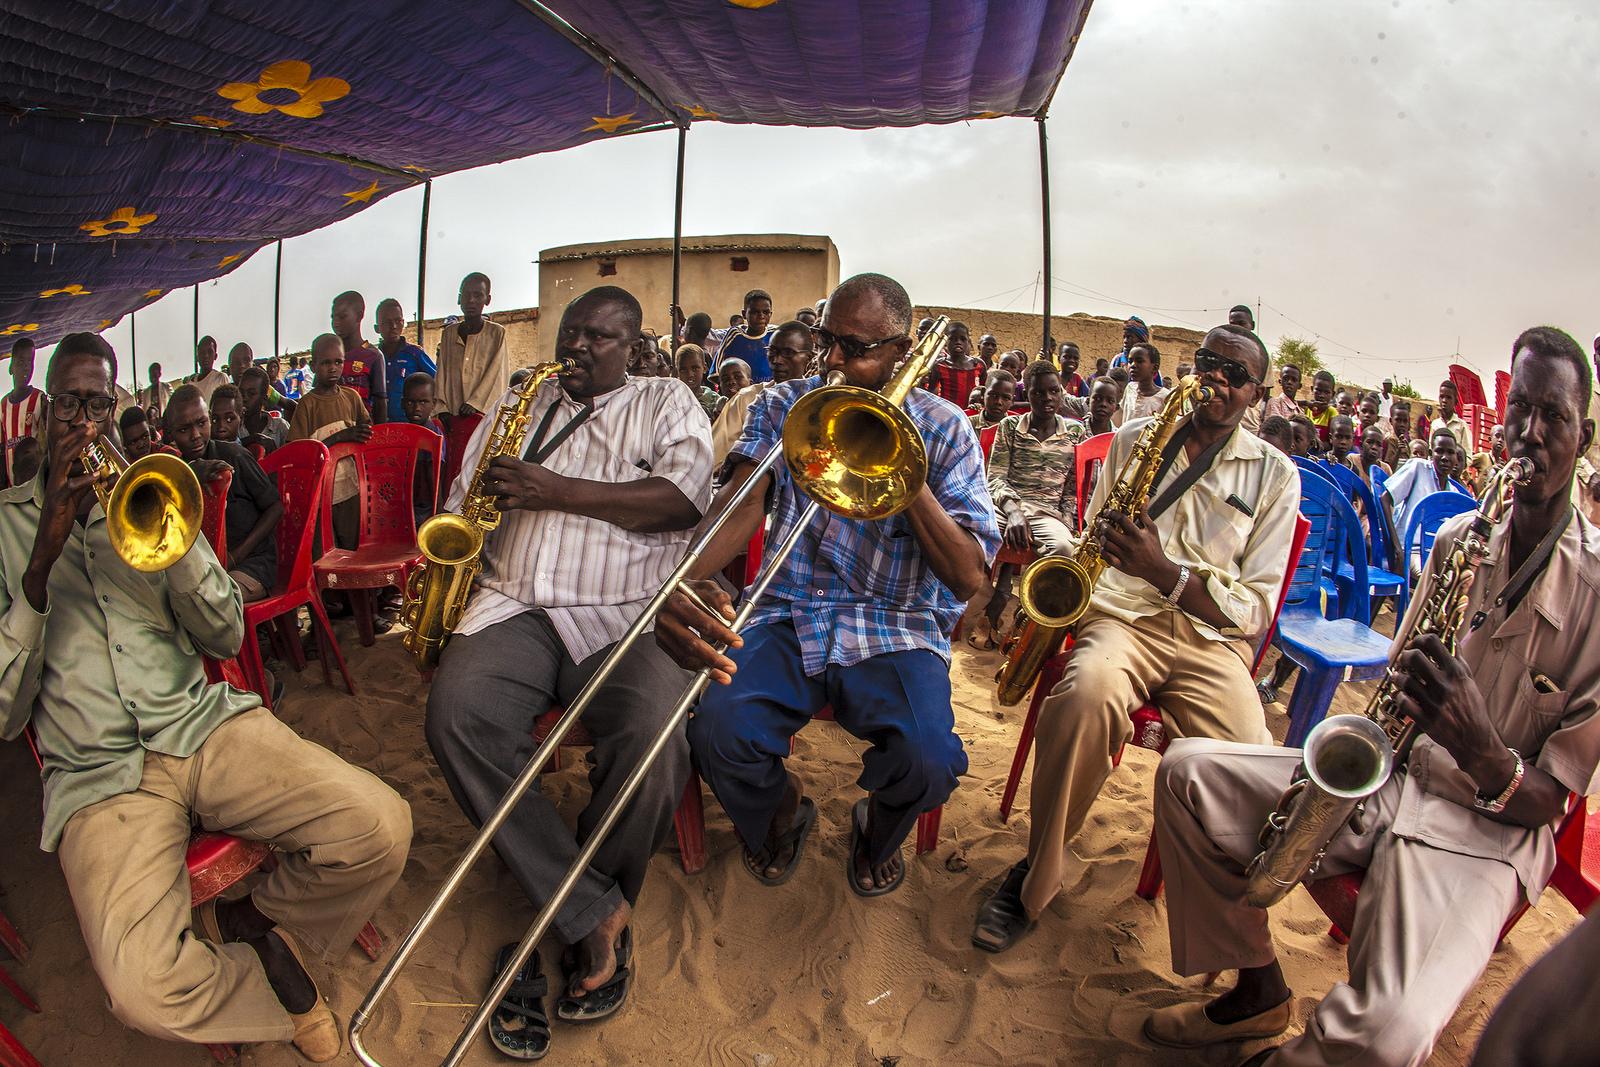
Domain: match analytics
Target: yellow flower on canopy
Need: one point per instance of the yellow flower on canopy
(75, 289)
(287, 76)
(19, 327)
(120, 223)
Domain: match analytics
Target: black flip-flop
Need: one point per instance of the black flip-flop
(858, 815)
(1003, 915)
(591, 1007)
(805, 817)
(519, 1027)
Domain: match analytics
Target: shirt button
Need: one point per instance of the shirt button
(821, 593)
(133, 703)
(1498, 644)
(105, 600)
(119, 648)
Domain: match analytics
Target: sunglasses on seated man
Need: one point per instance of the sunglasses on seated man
(1236, 374)
(853, 349)
(65, 406)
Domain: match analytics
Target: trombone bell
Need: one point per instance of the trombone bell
(854, 451)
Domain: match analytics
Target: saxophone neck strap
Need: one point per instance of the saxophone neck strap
(1519, 584)
(1189, 475)
(537, 454)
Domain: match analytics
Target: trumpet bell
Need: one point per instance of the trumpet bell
(854, 451)
(1055, 591)
(153, 512)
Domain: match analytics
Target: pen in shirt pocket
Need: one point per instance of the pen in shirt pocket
(1543, 684)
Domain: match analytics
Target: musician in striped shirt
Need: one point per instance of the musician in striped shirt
(20, 408)
(615, 473)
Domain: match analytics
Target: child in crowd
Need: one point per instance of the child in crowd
(1320, 409)
(227, 413)
(997, 397)
(689, 364)
(417, 401)
(258, 424)
(1306, 442)
(732, 376)
(1279, 433)
(333, 413)
(1283, 404)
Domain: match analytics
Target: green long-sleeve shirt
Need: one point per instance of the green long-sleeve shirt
(112, 666)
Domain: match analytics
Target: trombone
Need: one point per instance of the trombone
(851, 450)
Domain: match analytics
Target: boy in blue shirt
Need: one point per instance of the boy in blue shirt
(401, 358)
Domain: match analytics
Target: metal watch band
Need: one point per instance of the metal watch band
(1495, 805)
(1177, 590)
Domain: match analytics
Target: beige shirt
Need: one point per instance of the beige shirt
(208, 384)
(475, 372)
(729, 423)
(1544, 644)
(1240, 558)
(1457, 427)
(1135, 406)
(157, 397)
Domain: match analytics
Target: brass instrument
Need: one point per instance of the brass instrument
(1055, 590)
(452, 544)
(839, 442)
(1349, 757)
(153, 509)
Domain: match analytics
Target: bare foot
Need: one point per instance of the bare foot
(868, 875)
(596, 954)
(778, 858)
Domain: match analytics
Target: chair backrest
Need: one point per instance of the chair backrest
(258, 450)
(298, 469)
(456, 438)
(1422, 526)
(1089, 456)
(1307, 465)
(1326, 548)
(1297, 542)
(1356, 490)
(1463, 490)
(386, 477)
(1379, 479)
(986, 441)
(1346, 546)
(214, 517)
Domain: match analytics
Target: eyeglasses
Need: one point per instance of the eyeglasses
(852, 348)
(1236, 374)
(65, 406)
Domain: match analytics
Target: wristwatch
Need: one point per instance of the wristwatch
(1177, 590)
(1495, 805)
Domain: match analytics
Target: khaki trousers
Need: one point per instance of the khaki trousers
(1201, 687)
(1426, 922)
(342, 835)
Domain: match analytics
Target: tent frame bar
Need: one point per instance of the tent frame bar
(595, 51)
(1045, 347)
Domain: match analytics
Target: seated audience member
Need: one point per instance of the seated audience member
(135, 427)
(401, 358)
(1418, 449)
(689, 364)
(790, 355)
(1446, 418)
(137, 747)
(1345, 404)
(1103, 401)
(1397, 447)
(1341, 439)
(1012, 363)
(733, 377)
(1368, 408)
(998, 393)
(1319, 409)
(1143, 397)
(1371, 455)
(417, 404)
(254, 507)
(27, 457)
(1306, 441)
(1033, 483)
(806, 316)
(1278, 432)
(258, 426)
(227, 413)
(957, 372)
(1407, 487)
(974, 399)
(1459, 840)
(333, 413)
(1071, 381)
(750, 342)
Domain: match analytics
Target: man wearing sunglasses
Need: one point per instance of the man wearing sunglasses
(1192, 582)
(858, 617)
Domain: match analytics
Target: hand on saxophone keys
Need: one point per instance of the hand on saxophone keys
(1132, 545)
(1438, 691)
(694, 616)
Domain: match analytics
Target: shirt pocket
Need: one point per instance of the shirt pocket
(1537, 713)
(1216, 531)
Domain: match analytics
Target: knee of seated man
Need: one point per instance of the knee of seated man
(389, 839)
(1396, 1033)
(934, 760)
(1079, 703)
(723, 730)
(147, 996)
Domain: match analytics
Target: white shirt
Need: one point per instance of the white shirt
(156, 398)
(1135, 406)
(1240, 558)
(1408, 486)
(592, 578)
(207, 384)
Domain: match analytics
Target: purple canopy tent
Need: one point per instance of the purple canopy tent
(151, 145)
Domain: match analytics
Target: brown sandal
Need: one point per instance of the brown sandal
(316, 1032)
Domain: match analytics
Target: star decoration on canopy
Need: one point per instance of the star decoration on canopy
(75, 289)
(360, 196)
(226, 261)
(105, 324)
(285, 76)
(698, 112)
(212, 121)
(120, 223)
(151, 294)
(19, 327)
(611, 123)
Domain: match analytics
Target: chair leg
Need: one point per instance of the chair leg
(332, 645)
(14, 1053)
(1150, 877)
(370, 942)
(1313, 695)
(690, 822)
(1338, 935)
(9, 984)
(928, 830)
(12, 940)
(1024, 745)
(289, 634)
(223, 1053)
(361, 602)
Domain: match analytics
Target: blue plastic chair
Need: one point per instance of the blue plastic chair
(1329, 582)
(1327, 651)
(1379, 479)
(1383, 582)
(1463, 490)
(1422, 526)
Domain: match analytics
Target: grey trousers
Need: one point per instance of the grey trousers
(1426, 922)
(489, 689)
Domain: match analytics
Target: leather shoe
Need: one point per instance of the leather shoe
(1186, 1025)
(316, 1031)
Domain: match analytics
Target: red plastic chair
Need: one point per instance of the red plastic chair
(986, 441)
(298, 467)
(387, 544)
(455, 447)
(1087, 460)
(690, 818)
(12, 1052)
(213, 519)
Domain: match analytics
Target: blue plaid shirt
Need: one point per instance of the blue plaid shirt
(857, 588)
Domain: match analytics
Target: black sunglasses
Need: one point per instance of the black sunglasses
(1236, 374)
(65, 406)
(852, 348)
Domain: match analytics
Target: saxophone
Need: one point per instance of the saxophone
(1349, 757)
(1055, 590)
(452, 544)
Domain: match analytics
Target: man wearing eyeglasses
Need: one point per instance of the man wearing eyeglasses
(136, 747)
(1192, 582)
(857, 617)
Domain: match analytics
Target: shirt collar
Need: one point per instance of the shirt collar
(1025, 423)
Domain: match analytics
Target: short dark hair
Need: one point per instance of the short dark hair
(1276, 426)
(1450, 385)
(896, 301)
(183, 394)
(615, 294)
(80, 344)
(700, 322)
(1325, 376)
(1550, 342)
(1072, 345)
(1036, 368)
(957, 325)
(130, 416)
(352, 298)
(416, 377)
(20, 343)
(322, 339)
(385, 302)
(1345, 419)
(253, 372)
(754, 295)
(1155, 353)
(228, 391)
(997, 374)
(792, 326)
(477, 276)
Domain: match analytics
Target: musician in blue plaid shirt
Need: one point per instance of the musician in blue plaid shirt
(858, 617)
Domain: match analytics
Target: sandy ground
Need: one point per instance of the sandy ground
(731, 972)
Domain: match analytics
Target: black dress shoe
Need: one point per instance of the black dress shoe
(1002, 919)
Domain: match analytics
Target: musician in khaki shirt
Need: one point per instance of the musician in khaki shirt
(1461, 837)
(1171, 621)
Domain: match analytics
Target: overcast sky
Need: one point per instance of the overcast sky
(1392, 178)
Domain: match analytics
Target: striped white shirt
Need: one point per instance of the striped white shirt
(19, 419)
(592, 578)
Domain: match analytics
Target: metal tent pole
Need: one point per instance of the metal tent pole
(277, 300)
(677, 233)
(196, 337)
(422, 257)
(1044, 196)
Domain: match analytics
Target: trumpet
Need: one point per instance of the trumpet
(152, 505)
(850, 450)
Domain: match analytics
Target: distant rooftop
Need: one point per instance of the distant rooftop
(726, 242)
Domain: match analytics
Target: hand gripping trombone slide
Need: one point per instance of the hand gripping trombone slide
(850, 449)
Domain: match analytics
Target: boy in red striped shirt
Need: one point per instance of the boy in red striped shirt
(20, 408)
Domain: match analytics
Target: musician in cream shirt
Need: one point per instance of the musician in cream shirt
(1192, 581)
(615, 473)
(1460, 837)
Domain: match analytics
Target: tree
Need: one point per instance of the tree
(1301, 353)
(1404, 388)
